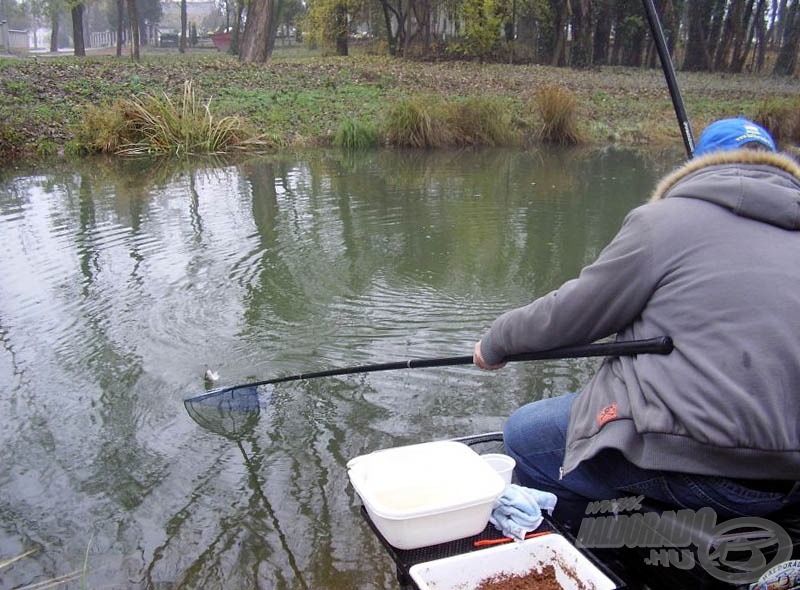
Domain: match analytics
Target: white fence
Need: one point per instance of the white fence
(103, 39)
(18, 39)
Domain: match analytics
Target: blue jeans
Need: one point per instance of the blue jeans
(535, 436)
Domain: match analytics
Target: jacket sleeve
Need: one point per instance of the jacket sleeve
(605, 298)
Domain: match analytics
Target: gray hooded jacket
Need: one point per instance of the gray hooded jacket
(713, 260)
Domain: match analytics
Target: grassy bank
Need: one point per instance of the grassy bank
(304, 100)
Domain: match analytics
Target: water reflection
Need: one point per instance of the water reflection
(124, 280)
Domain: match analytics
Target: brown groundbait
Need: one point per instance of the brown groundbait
(533, 580)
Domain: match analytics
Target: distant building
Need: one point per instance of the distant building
(197, 12)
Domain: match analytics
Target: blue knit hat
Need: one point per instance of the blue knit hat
(731, 134)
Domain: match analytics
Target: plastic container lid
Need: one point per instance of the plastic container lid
(423, 479)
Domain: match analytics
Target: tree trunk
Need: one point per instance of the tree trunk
(259, 31)
(636, 47)
(407, 32)
(762, 41)
(120, 25)
(582, 35)
(77, 30)
(731, 28)
(133, 17)
(623, 16)
(602, 33)
(422, 17)
(716, 22)
(698, 56)
(780, 23)
(671, 24)
(182, 43)
(744, 43)
(340, 15)
(428, 18)
(786, 62)
(392, 38)
(237, 32)
(54, 32)
(563, 14)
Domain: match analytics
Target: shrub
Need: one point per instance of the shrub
(558, 109)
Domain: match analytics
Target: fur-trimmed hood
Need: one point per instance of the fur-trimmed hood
(760, 185)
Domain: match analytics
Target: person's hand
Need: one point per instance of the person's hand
(477, 359)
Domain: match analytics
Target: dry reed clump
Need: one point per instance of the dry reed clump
(156, 125)
(103, 129)
(417, 123)
(480, 122)
(781, 117)
(558, 109)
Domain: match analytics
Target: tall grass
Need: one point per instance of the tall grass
(354, 134)
(558, 109)
(480, 121)
(781, 117)
(413, 123)
(475, 121)
(103, 129)
(153, 124)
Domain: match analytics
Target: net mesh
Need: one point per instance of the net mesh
(230, 412)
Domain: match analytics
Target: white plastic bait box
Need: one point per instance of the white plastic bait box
(425, 494)
(467, 571)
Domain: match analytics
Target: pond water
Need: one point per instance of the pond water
(122, 282)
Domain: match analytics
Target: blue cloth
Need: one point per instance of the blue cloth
(731, 134)
(519, 510)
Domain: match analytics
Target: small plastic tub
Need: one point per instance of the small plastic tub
(502, 464)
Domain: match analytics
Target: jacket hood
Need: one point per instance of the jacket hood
(764, 186)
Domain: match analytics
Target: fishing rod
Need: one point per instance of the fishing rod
(669, 74)
(659, 345)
